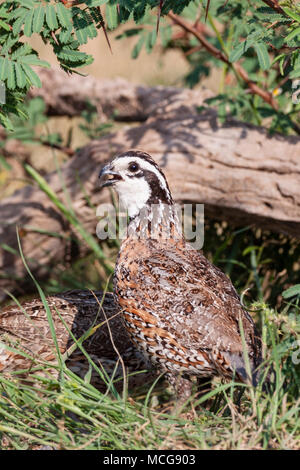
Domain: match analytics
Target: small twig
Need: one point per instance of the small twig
(198, 17)
(255, 89)
(206, 10)
(193, 50)
(191, 29)
(274, 4)
(161, 2)
(104, 30)
(273, 24)
(54, 38)
(67, 150)
(284, 48)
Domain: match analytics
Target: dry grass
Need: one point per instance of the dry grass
(65, 412)
(62, 411)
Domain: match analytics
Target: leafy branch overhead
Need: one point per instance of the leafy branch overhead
(255, 43)
(65, 29)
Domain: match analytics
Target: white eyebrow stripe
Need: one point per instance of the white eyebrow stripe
(146, 166)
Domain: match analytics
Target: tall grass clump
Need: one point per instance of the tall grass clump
(51, 407)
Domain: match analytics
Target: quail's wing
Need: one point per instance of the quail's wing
(196, 302)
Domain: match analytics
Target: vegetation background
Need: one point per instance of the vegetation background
(230, 47)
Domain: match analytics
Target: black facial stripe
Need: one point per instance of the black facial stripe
(158, 194)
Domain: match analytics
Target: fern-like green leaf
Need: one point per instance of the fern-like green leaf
(238, 51)
(17, 13)
(9, 45)
(27, 3)
(20, 75)
(293, 34)
(291, 291)
(140, 10)
(111, 15)
(71, 55)
(23, 50)
(292, 14)
(178, 7)
(6, 122)
(64, 15)
(32, 77)
(3, 68)
(32, 59)
(3, 13)
(28, 23)
(11, 76)
(4, 25)
(262, 55)
(38, 19)
(84, 27)
(242, 47)
(150, 41)
(138, 47)
(65, 36)
(18, 24)
(51, 17)
(96, 3)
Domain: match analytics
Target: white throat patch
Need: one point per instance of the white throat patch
(134, 194)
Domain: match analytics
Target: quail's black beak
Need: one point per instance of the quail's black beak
(108, 176)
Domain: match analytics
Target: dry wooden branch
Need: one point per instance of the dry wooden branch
(114, 99)
(239, 172)
(275, 5)
(189, 27)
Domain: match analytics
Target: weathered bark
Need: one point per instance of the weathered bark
(116, 99)
(238, 171)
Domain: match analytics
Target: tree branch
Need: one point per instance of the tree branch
(241, 72)
(274, 4)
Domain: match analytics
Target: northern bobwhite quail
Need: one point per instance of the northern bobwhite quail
(30, 333)
(181, 311)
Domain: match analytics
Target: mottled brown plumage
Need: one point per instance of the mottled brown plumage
(81, 310)
(181, 311)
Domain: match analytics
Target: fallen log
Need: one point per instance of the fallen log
(238, 171)
(119, 100)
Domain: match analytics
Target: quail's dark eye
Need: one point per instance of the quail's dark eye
(133, 167)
